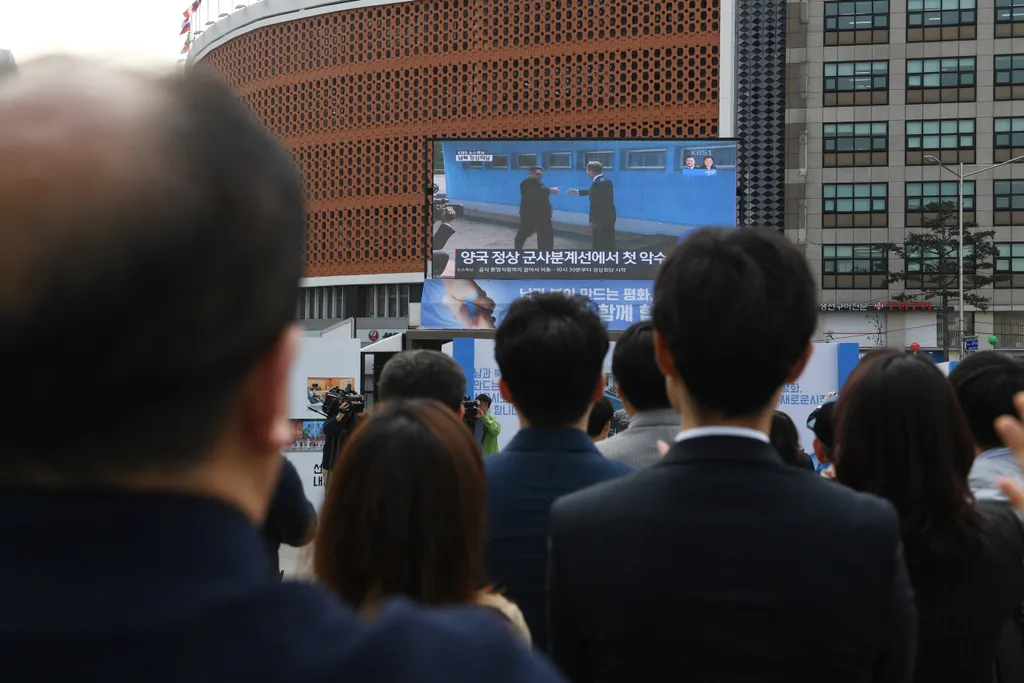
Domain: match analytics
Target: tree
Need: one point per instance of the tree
(932, 265)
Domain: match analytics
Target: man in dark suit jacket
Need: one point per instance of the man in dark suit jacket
(550, 349)
(535, 211)
(602, 207)
(721, 563)
(131, 549)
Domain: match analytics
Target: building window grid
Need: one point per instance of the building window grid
(856, 76)
(922, 195)
(940, 134)
(387, 301)
(1008, 195)
(855, 137)
(1009, 132)
(1009, 11)
(856, 15)
(647, 159)
(854, 259)
(498, 162)
(560, 160)
(1009, 258)
(927, 262)
(1009, 69)
(855, 198)
(931, 13)
(946, 72)
(526, 160)
(606, 159)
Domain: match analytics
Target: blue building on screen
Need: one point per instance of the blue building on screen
(661, 187)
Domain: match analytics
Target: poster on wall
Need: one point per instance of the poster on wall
(309, 436)
(483, 304)
(317, 387)
(826, 371)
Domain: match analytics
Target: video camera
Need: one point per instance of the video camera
(469, 411)
(338, 400)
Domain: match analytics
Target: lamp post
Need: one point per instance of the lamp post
(960, 176)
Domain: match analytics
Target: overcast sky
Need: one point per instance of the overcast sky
(139, 32)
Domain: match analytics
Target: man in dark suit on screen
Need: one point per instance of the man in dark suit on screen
(602, 207)
(535, 211)
(721, 562)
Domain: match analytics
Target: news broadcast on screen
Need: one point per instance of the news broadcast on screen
(573, 209)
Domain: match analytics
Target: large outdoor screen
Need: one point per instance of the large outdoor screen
(573, 209)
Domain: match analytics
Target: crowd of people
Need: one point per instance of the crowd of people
(701, 543)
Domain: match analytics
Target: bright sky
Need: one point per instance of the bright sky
(138, 32)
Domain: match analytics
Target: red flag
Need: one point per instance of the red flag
(185, 48)
(186, 24)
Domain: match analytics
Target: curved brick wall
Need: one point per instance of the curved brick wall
(355, 95)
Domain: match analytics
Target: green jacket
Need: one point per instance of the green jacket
(491, 430)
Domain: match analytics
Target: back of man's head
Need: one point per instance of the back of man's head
(423, 374)
(550, 349)
(986, 383)
(640, 380)
(734, 303)
(151, 243)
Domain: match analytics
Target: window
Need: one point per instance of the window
(920, 263)
(856, 83)
(603, 158)
(1009, 264)
(1009, 78)
(472, 164)
(1009, 18)
(856, 15)
(1008, 202)
(526, 160)
(929, 20)
(949, 140)
(498, 161)
(957, 74)
(387, 301)
(854, 266)
(855, 144)
(854, 205)
(560, 160)
(920, 196)
(1009, 138)
(646, 159)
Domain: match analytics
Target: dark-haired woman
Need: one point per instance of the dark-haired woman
(405, 513)
(786, 441)
(901, 435)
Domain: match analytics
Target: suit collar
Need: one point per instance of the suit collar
(545, 439)
(664, 417)
(721, 448)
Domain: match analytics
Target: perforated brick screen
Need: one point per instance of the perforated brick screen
(355, 95)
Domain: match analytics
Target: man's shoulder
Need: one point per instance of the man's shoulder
(404, 643)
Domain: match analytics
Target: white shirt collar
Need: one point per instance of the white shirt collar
(740, 432)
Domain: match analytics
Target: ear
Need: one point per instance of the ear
(599, 393)
(503, 390)
(663, 356)
(798, 368)
(264, 398)
(618, 391)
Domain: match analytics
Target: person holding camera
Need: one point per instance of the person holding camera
(334, 433)
(488, 426)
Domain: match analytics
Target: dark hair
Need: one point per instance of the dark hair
(595, 166)
(423, 373)
(405, 510)
(900, 434)
(536, 168)
(600, 417)
(786, 440)
(753, 288)
(636, 370)
(550, 349)
(175, 262)
(986, 383)
(484, 398)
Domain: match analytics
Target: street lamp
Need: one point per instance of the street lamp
(960, 175)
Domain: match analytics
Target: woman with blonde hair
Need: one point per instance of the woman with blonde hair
(405, 513)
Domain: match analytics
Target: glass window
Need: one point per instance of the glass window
(499, 161)
(921, 195)
(1009, 69)
(1009, 11)
(928, 13)
(603, 158)
(403, 301)
(652, 158)
(560, 160)
(526, 160)
(1008, 195)
(859, 259)
(392, 301)
(854, 197)
(855, 137)
(940, 134)
(856, 76)
(1009, 132)
(382, 302)
(929, 262)
(856, 15)
(472, 164)
(1009, 257)
(952, 72)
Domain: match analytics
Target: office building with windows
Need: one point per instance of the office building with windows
(878, 93)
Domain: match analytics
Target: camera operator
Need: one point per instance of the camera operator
(488, 426)
(343, 408)
(334, 433)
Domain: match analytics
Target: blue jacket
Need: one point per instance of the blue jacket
(124, 588)
(523, 480)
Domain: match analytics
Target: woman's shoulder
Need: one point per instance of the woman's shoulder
(507, 609)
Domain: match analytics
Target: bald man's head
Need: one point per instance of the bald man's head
(151, 237)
